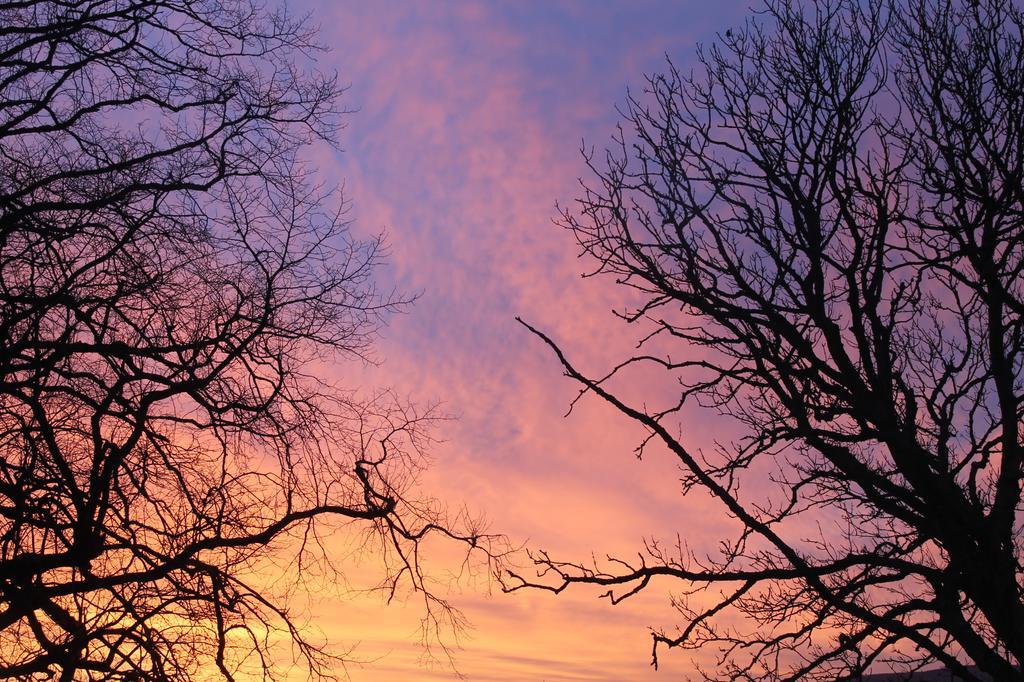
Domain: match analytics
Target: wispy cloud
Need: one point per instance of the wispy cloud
(469, 123)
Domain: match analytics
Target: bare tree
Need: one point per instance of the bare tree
(825, 224)
(171, 275)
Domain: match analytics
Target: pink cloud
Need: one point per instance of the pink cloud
(461, 145)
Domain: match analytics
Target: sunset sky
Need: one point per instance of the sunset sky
(467, 126)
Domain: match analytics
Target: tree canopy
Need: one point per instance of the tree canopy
(172, 276)
(825, 225)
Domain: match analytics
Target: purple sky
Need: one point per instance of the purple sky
(468, 124)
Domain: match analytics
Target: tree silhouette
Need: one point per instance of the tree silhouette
(171, 278)
(825, 225)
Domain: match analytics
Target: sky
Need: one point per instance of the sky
(467, 125)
